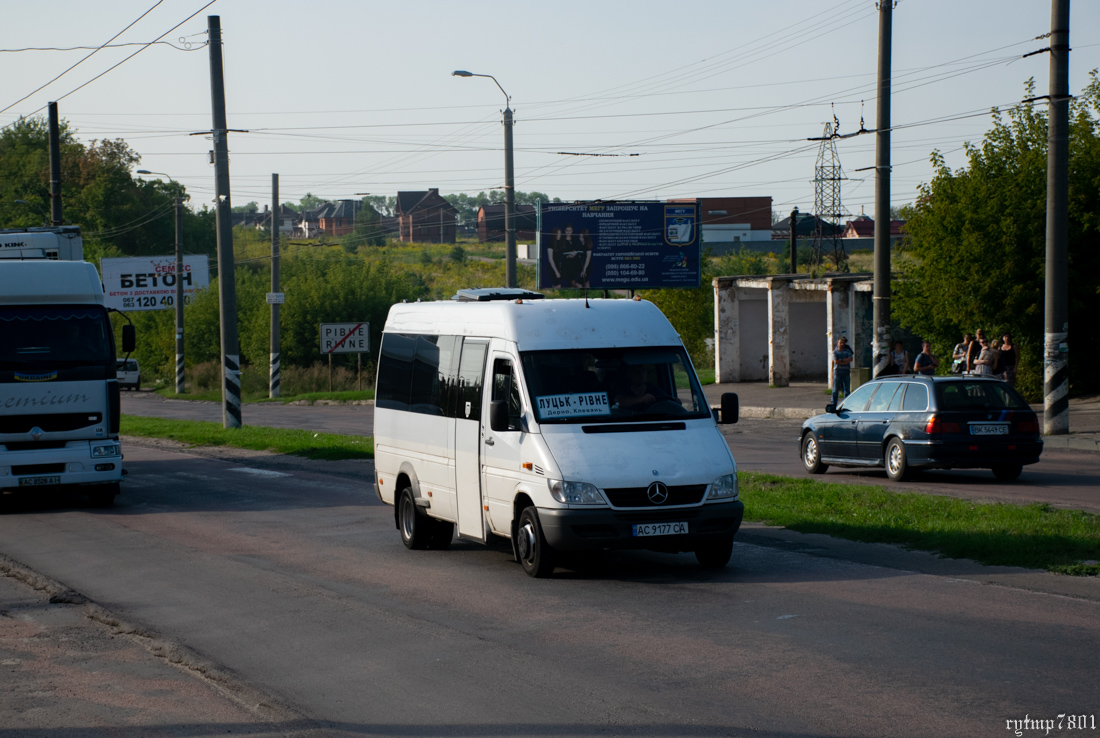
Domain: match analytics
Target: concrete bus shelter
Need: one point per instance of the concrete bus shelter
(783, 327)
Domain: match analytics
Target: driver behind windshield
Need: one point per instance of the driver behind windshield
(635, 393)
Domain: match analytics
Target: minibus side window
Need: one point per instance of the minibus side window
(506, 388)
(470, 368)
(395, 361)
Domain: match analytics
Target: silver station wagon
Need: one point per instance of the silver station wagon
(920, 422)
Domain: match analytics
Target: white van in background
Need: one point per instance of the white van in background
(563, 425)
(129, 375)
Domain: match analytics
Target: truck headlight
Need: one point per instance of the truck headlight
(575, 493)
(106, 451)
(723, 488)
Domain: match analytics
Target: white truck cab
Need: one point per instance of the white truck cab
(59, 399)
(562, 425)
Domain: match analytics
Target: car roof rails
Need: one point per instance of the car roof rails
(487, 294)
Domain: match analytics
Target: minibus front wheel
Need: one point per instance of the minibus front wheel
(535, 554)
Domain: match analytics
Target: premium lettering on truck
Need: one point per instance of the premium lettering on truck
(562, 425)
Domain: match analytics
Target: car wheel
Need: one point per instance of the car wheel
(441, 535)
(414, 527)
(103, 495)
(714, 555)
(897, 468)
(811, 455)
(1007, 472)
(535, 554)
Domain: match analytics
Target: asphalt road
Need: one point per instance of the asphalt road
(290, 576)
(1062, 478)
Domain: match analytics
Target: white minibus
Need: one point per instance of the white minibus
(562, 425)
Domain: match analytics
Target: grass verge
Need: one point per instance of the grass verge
(326, 446)
(1035, 536)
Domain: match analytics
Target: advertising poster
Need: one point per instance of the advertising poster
(618, 245)
(149, 282)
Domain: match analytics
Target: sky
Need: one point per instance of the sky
(612, 99)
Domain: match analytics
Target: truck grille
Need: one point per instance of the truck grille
(56, 423)
(686, 494)
(20, 471)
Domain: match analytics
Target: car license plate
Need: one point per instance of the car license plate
(39, 481)
(660, 529)
(989, 429)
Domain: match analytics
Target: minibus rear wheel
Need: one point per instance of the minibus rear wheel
(415, 528)
(535, 554)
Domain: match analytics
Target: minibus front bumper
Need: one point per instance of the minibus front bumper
(586, 530)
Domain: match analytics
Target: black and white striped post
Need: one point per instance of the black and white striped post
(274, 297)
(227, 288)
(1055, 346)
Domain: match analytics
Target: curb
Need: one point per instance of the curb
(790, 413)
(1071, 443)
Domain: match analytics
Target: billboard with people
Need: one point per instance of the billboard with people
(618, 245)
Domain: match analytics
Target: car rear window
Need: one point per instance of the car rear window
(983, 395)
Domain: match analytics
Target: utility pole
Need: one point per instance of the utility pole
(794, 241)
(881, 295)
(179, 294)
(227, 289)
(55, 165)
(1055, 347)
(509, 202)
(274, 379)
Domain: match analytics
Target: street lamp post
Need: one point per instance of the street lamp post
(179, 284)
(509, 184)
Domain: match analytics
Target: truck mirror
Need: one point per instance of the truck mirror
(129, 340)
(731, 408)
(498, 415)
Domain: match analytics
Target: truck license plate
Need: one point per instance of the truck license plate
(660, 529)
(988, 429)
(39, 481)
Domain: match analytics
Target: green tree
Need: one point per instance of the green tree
(974, 256)
(251, 207)
(309, 202)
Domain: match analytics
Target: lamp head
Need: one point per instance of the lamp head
(143, 171)
(461, 73)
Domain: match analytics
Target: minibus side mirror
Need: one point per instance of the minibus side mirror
(498, 415)
(129, 339)
(731, 407)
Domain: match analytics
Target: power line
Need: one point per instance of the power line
(86, 58)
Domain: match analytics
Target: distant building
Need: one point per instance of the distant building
(864, 227)
(426, 217)
(338, 218)
(490, 223)
(724, 220)
(806, 225)
(287, 220)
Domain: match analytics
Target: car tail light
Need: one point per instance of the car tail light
(1028, 426)
(935, 426)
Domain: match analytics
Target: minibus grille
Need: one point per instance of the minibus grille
(686, 494)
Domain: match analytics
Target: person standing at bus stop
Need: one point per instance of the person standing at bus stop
(842, 369)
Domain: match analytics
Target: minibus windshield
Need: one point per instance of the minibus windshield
(612, 385)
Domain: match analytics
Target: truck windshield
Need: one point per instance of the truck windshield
(612, 385)
(49, 336)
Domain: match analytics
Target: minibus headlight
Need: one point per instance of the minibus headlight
(575, 493)
(723, 488)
